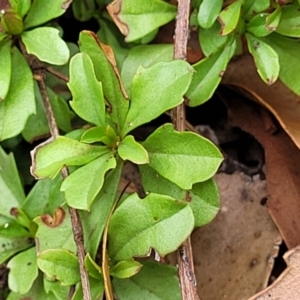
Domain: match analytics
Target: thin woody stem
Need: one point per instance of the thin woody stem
(184, 254)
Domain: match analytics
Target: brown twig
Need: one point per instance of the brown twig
(39, 75)
(184, 255)
(57, 74)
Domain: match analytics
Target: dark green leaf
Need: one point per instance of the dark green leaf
(146, 56)
(49, 157)
(155, 90)
(12, 194)
(82, 186)
(209, 72)
(203, 198)
(258, 26)
(5, 67)
(47, 45)
(88, 100)
(208, 12)
(41, 11)
(106, 72)
(157, 221)
(37, 124)
(19, 103)
(137, 18)
(273, 19)
(154, 282)
(83, 10)
(229, 17)
(94, 221)
(265, 58)
(11, 246)
(289, 24)
(174, 154)
(21, 264)
(97, 290)
(131, 150)
(60, 264)
(43, 198)
(255, 6)
(211, 40)
(288, 53)
(11, 22)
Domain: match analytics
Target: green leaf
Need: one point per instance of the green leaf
(21, 264)
(289, 24)
(54, 288)
(255, 6)
(257, 25)
(92, 268)
(60, 264)
(96, 134)
(94, 221)
(13, 230)
(131, 150)
(287, 50)
(106, 72)
(19, 103)
(12, 194)
(11, 22)
(155, 90)
(273, 19)
(125, 269)
(229, 17)
(137, 18)
(155, 281)
(11, 246)
(20, 6)
(97, 290)
(157, 221)
(82, 186)
(265, 58)
(47, 45)
(36, 292)
(37, 124)
(83, 10)
(210, 39)
(41, 11)
(146, 56)
(208, 12)
(54, 231)
(50, 157)
(43, 198)
(5, 67)
(209, 72)
(203, 198)
(174, 154)
(88, 100)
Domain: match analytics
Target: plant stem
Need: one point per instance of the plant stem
(39, 75)
(57, 74)
(184, 254)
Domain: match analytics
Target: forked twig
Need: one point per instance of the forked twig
(184, 254)
(39, 75)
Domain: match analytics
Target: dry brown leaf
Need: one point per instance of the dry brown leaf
(114, 9)
(281, 101)
(282, 166)
(286, 287)
(233, 255)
